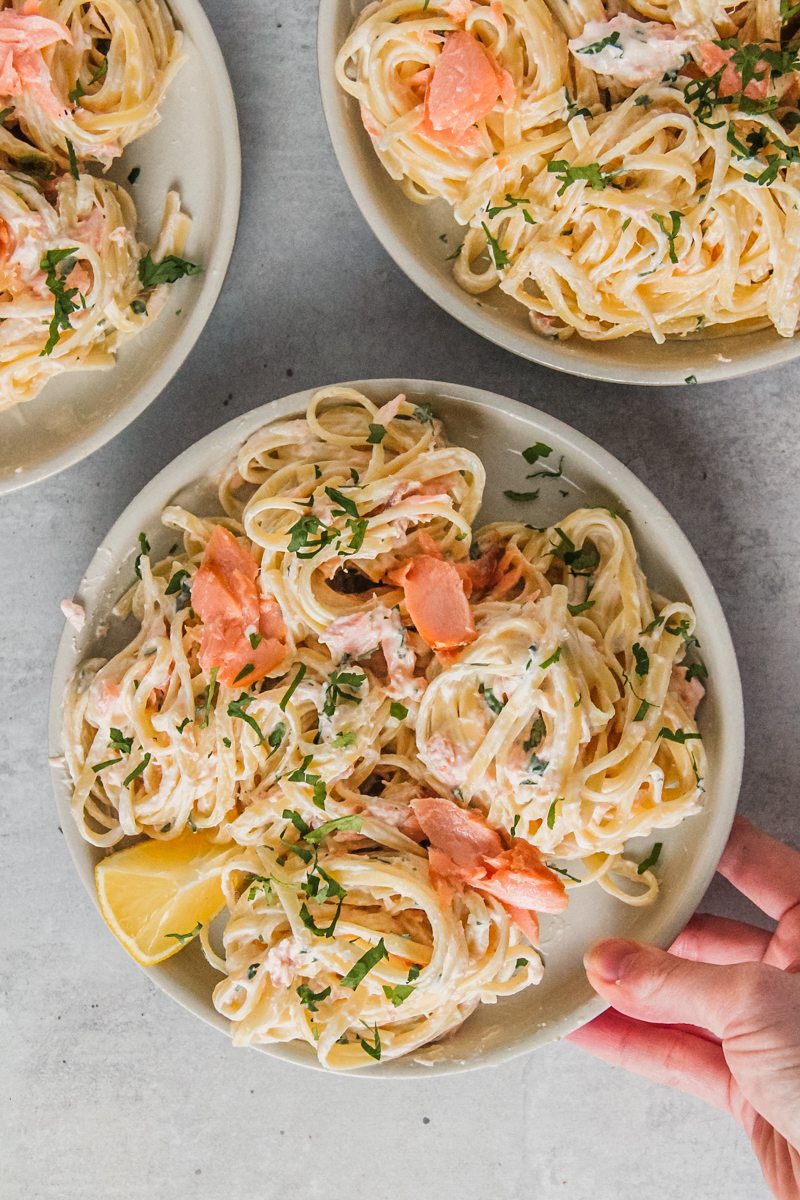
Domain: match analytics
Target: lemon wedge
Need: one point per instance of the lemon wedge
(156, 896)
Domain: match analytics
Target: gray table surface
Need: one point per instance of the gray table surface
(111, 1090)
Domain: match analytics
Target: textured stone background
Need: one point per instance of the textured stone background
(108, 1088)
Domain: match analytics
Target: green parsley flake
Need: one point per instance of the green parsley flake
(647, 863)
(183, 938)
(364, 965)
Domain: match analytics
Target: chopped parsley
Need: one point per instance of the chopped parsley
(118, 742)
(499, 257)
(212, 688)
(537, 766)
(343, 739)
(581, 561)
(260, 882)
(183, 938)
(144, 549)
(511, 202)
(536, 735)
(697, 670)
(548, 662)
(310, 999)
(364, 965)
(169, 270)
(315, 836)
(376, 434)
(651, 860)
(287, 695)
(398, 710)
(522, 497)
(347, 505)
(174, 584)
(308, 536)
(670, 233)
(358, 530)
(532, 454)
(320, 930)
(109, 762)
(424, 414)
(610, 42)
(79, 91)
(561, 871)
(335, 693)
(642, 659)
(238, 708)
(591, 173)
(73, 161)
(644, 705)
(551, 812)
(492, 701)
(246, 670)
(137, 771)
(373, 1049)
(677, 735)
(302, 775)
(575, 609)
(276, 736)
(63, 297)
(398, 993)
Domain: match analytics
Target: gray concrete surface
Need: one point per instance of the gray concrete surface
(108, 1089)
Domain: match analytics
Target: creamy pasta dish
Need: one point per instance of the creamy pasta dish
(78, 83)
(620, 168)
(378, 741)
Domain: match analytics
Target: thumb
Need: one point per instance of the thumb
(651, 985)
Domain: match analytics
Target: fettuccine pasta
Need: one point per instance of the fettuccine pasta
(413, 736)
(620, 171)
(78, 82)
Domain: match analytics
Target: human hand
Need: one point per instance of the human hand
(719, 1016)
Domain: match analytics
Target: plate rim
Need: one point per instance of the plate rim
(180, 473)
(540, 351)
(191, 17)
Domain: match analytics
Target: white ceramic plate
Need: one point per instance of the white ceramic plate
(411, 234)
(497, 429)
(194, 148)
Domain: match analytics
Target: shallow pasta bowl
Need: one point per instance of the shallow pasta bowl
(497, 429)
(194, 149)
(419, 237)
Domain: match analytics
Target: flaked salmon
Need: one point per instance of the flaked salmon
(241, 627)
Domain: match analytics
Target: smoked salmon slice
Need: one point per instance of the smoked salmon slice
(436, 601)
(714, 58)
(241, 628)
(464, 849)
(465, 86)
(23, 36)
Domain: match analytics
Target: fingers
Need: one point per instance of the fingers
(784, 949)
(719, 940)
(672, 1057)
(650, 985)
(763, 869)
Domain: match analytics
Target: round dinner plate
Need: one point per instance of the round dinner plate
(194, 149)
(419, 237)
(497, 429)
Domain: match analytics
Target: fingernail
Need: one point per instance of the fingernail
(607, 960)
